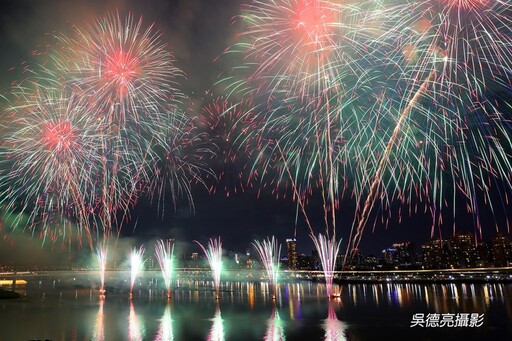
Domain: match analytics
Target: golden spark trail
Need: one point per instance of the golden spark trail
(374, 188)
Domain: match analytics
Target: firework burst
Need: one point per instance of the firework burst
(49, 156)
(451, 131)
(97, 127)
(122, 67)
(125, 71)
(386, 101)
(230, 126)
(302, 65)
(180, 156)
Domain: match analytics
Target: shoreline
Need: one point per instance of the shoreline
(420, 281)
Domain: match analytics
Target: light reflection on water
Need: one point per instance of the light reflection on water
(275, 327)
(334, 328)
(165, 333)
(217, 329)
(100, 322)
(63, 307)
(136, 331)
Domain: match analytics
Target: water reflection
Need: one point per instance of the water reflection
(293, 296)
(445, 297)
(71, 310)
(99, 333)
(334, 328)
(165, 333)
(217, 329)
(136, 330)
(275, 327)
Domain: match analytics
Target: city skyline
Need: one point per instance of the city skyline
(455, 253)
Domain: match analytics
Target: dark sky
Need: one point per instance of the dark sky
(198, 31)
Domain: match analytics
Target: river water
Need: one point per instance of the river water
(65, 306)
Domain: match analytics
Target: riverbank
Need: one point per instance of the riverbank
(354, 280)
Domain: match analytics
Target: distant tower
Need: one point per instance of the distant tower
(291, 252)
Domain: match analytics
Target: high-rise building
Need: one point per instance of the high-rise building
(339, 262)
(463, 250)
(501, 250)
(405, 253)
(355, 258)
(390, 256)
(483, 257)
(304, 262)
(291, 252)
(371, 262)
(434, 254)
(315, 260)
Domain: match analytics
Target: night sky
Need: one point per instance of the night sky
(197, 32)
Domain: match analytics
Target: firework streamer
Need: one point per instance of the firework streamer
(374, 188)
(164, 254)
(101, 255)
(269, 251)
(328, 253)
(137, 264)
(214, 255)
